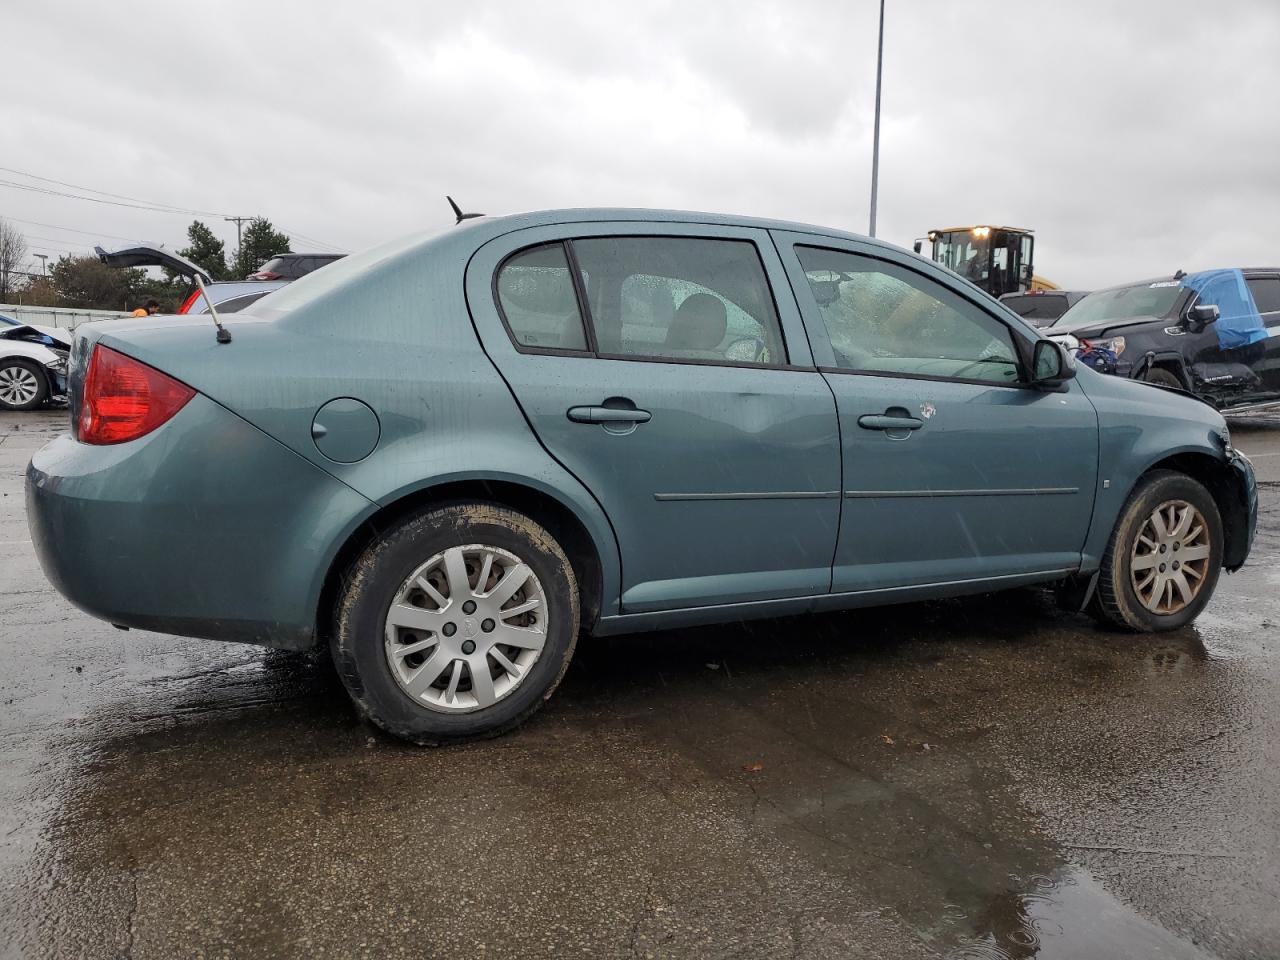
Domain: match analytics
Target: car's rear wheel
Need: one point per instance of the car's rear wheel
(23, 385)
(1164, 557)
(458, 623)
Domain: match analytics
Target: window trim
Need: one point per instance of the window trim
(1021, 346)
(588, 321)
(1015, 385)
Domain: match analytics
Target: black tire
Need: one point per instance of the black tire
(359, 643)
(14, 364)
(1115, 601)
(1164, 378)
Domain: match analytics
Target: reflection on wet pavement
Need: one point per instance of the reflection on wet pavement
(984, 778)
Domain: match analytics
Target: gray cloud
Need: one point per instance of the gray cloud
(1135, 138)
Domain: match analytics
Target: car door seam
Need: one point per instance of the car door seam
(475, 329)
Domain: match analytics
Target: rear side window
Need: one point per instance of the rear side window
(538, 301)
(680, 298)
(1266, 293)
(1038, 307)
(886, 319)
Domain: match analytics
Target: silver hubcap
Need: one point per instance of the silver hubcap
(465, 628)
(1170, 557)
(18, 385)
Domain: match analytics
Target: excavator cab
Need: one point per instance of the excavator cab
(998, 259)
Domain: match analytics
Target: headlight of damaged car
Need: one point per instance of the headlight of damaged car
(1113, 344)
(57, 363)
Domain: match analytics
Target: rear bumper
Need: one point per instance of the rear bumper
(206, 528)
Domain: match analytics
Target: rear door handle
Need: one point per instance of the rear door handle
(608, 415)
(884, 422)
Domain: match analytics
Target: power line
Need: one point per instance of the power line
(136, 203)
(114, 203)
(79, 245)
(55, 226)
(118, 196)
(318, 243)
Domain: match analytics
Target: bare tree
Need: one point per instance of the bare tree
(13, 247)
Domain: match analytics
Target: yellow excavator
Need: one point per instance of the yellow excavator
(998, 259)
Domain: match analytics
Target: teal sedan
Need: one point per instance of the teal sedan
(447, 458)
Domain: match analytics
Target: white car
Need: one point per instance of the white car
(33, 364)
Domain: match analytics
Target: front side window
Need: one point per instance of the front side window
(680, 298)
(539, 304)
(882, 318)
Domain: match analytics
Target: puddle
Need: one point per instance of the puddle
(1066, 916)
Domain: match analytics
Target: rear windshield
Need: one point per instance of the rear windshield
(319, 283)
(275, 265)
(1142, 300)
(1039, 307)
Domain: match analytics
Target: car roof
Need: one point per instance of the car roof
(1248, 271)
(499, 225)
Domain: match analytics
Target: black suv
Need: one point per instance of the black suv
(1215, 334)
(291, 266)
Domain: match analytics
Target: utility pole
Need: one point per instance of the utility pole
(44, 267)
(237, 221)
(875, 143)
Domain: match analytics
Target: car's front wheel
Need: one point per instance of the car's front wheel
(22, 385)
(1164, 557)
(457, 623)
(1164, 378)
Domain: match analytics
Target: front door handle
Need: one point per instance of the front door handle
(608, 415)
(886, 422)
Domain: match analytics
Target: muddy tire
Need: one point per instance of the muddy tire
(1164, 378)
(1163, 560)
(456, 624)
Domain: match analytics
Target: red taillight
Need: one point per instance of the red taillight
(124, 399)
(190, 301)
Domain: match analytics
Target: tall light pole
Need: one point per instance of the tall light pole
(44, 267)
(875, 141)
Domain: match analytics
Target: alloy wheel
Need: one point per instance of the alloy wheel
(465, 628)
(1170, 557)
(18, 385)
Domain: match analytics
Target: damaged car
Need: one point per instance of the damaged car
(445, 459)
(1215, 334)
(33, 365)
(229, 296)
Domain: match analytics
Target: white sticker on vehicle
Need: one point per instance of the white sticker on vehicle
(1166, 283)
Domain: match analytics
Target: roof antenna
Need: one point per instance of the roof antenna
(223, 335)
(457, 212)
(1180, 274)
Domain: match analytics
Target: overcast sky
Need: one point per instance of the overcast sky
(1134, 137)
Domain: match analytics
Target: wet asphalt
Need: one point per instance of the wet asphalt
(985, 778)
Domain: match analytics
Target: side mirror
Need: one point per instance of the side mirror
(1201, 315)
(1051, 365)
(917, 245)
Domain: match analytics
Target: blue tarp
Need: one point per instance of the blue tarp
(1239, 322)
